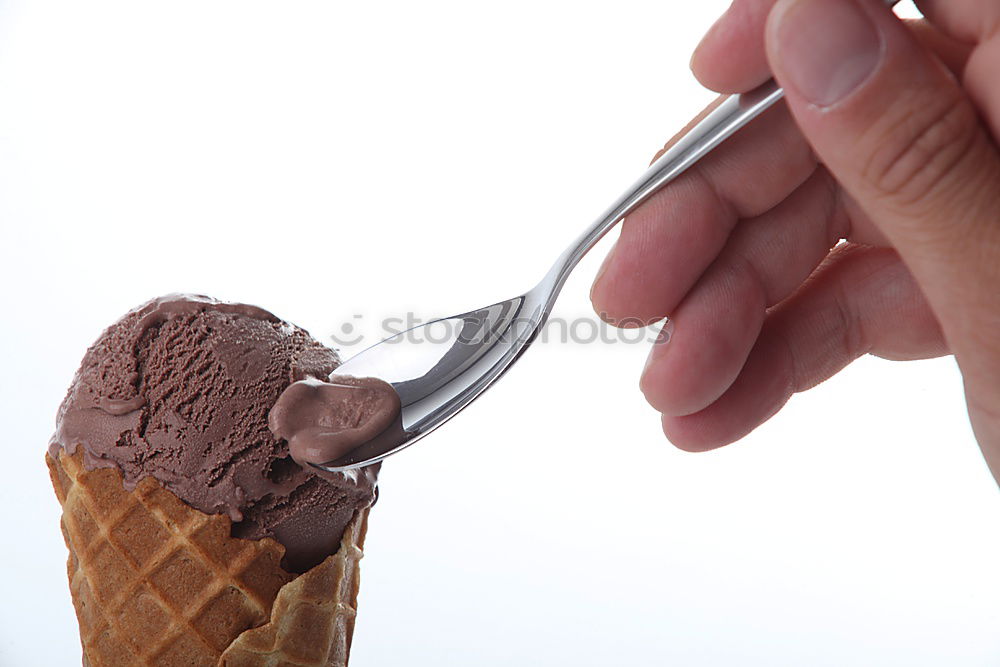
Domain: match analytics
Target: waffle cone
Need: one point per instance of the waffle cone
(157, 582)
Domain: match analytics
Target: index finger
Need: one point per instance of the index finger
(731, 57)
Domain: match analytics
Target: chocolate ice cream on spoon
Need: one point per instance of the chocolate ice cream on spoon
(323, 420)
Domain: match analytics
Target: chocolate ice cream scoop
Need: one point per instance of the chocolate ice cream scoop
(180, 390)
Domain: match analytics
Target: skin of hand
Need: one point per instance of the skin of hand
(862, 217)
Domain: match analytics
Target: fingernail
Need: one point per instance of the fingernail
(826, 48)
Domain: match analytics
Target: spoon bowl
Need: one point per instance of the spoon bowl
(440, 367)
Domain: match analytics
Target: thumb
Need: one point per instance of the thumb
(901, 137)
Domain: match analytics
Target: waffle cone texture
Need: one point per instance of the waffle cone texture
(157, 582)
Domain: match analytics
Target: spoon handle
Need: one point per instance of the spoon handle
(726, 119)
(730, 115)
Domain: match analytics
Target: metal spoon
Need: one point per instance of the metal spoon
(440, 367)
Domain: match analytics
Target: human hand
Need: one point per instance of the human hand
(888, 141)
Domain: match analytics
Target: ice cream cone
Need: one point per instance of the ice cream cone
(157, 582)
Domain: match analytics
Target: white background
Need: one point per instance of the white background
(328, 160)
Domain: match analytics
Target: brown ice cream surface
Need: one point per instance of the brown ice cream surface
(180, 389)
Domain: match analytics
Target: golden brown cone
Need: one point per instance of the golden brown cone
(157, 582)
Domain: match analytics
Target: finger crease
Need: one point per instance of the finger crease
(838, 223)
(747, 266)
(728, 208)
(918, 167)
(791, 361)
(852, 329)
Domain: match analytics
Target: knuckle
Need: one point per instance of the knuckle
(917, 155)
